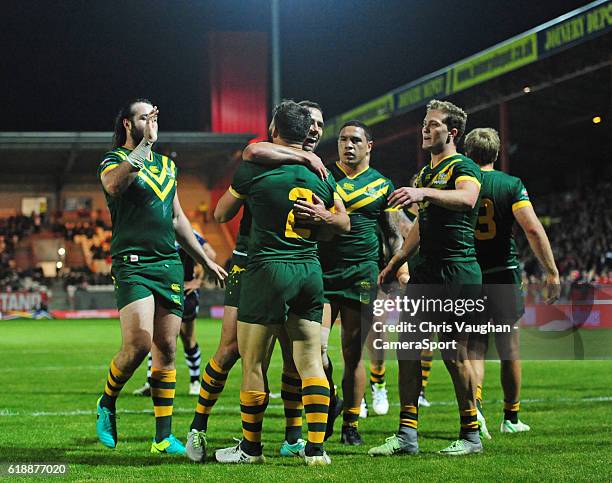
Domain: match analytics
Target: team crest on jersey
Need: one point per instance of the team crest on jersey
(441, 179)
(154, 169)
(372, 192)
(348, 186)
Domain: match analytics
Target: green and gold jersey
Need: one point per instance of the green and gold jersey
(270, 193)
(365, 198)
(501, 195)
(447, 235)
(142, 214)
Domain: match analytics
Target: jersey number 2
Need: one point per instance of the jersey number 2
(290, 230)
(485, 217)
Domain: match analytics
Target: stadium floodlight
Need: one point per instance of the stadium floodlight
(596, 119)
(59, 265)
(526, 89)
(61, 251)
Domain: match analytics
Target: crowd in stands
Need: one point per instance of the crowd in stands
(12, 230)
(578, 223)
(579, 226)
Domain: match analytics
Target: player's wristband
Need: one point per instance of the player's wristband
(141, 152)
(138, 165)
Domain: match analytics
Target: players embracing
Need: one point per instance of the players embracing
(282, 288)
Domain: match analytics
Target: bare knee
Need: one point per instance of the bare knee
(352, 357)
(134, 351)
(166, 348)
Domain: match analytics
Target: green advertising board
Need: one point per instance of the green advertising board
(494, 63)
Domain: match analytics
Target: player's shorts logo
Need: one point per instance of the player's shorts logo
(176, 299)
(236, 269)
(175, 287)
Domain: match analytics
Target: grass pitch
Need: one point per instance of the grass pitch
(53, 372)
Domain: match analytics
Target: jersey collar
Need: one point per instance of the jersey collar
(442, 160)
(348, 175)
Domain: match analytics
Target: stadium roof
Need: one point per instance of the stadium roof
(530, 48)
(544, 104)
(73, 157)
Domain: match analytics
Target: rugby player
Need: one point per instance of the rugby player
(447, 192)
(350, 267)
(282, 284)
(192, 281)
(147, 220)
(504, 199)
(226, 355)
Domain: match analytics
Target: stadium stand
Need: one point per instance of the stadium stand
(579, 225)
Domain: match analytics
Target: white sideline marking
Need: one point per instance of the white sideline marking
(53, 368)
(85, 412)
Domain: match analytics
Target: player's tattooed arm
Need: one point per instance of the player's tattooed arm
(411, 243)
(390, 224)
(270, 154)
(189, 243)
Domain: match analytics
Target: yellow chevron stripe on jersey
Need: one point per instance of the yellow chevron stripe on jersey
(520, 204)
(348, 197)
(162, 176)
(367, 200)
(160, 194)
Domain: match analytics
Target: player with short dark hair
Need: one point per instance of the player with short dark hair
(147, 220)
(281, 286)
(226, 355)
(447, 191)
(350, 267)
(504, 200)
